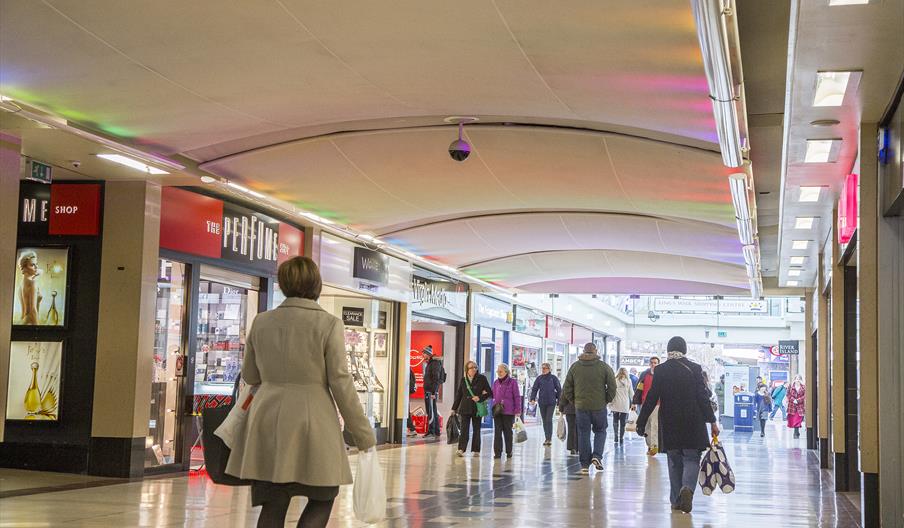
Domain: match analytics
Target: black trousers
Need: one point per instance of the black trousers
(502, 430)
(469, 422)
(572, 440)
(619, 419)
(546, 412)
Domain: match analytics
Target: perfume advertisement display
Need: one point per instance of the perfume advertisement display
(34, 380)
(40, 287)
(421, 339)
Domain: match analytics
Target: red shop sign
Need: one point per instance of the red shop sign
(74, 209)
(191, 223)
(848, 208)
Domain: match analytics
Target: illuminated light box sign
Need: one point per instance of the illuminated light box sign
(438, 296)
(60, 209)
(371, 266)
(492, 313)
(200, 225)
(848, 208)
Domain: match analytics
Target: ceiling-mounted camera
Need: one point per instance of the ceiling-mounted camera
(459, 150)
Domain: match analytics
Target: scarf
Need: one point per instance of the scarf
(676, 355)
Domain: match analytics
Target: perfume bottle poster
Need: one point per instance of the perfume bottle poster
(34, 380)
(40, 289)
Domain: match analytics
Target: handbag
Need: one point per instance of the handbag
(497, 409)
(216, 452)
(453, 429)
(481, 405)
(715, 471)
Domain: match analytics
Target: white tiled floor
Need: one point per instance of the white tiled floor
(779, 484)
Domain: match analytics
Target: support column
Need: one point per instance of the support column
(403, 371)
(808, 371)
(836, 376)
(822, 365)
(868, 294)
(125, 329)
(10, 166)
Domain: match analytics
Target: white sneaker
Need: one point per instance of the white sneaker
(597, 464)
(460, 453)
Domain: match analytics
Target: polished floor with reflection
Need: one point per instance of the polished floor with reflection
(778, 484)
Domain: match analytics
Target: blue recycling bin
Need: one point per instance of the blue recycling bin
(743, 412)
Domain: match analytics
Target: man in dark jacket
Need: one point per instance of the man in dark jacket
(590, 384)
(683, 399)
(547, 386)
(433, 380)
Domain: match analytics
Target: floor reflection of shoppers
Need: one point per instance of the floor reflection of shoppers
(684, 411)
(566, 407)
(778, 400)
(293, 444)
(796, 400)
(763, 401)
(549, 389)
(621, 405)
(507, 396)
(640, 396)
(472, 389)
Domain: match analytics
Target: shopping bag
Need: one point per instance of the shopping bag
(531, 410)
(795, 420)
(561, 428)
(369, 493)
(715, 471)
(453, 429)
(631, 423)
(520, 432)
(233, 426)
(216, 452)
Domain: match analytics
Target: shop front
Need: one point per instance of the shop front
(527, 348)
(364, 288)
(560, 353)
(439, 312)
(490, 336)
(217, 269)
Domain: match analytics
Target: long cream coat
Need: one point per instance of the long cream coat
(297, 355)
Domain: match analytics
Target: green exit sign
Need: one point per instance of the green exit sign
(723, 333)
(41, 172)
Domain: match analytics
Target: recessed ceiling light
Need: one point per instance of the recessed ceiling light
(804, 222)
(809, 194)
(792, 284)
(794, 273)
(822, 150)
(796, 261)
(208, 179)
(129, 162)
(831, 87)
(834, 3)
(800, 244)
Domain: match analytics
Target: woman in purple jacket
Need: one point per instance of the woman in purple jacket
(506, 405)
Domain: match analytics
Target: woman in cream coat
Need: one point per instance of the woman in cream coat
(293, 443)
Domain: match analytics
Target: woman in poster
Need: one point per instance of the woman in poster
(796, 400)
(30, 296)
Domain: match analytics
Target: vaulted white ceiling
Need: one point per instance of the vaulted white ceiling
(595, 167)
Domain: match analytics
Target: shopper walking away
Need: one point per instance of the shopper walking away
(506, 405)
(296, 355)
(566, 407)
(412, 388)
(633, 375)
(434, 377)
(796, 400)
(590, 384)
(720, 395)
(621, 405)
(763, 401)
(470, 404)
(778, 400)
(644, 383)
(684, 411)
(548, 387)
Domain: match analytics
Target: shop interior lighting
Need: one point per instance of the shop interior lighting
(804, 222)
(800, 244)
(712, 34)
(792, 283)
(809, 194)
(822, 150)
(133, 163)
(797, 261)
(794, 272)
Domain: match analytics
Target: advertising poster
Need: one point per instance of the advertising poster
(419, 340)
(736, 380)
(34, 380)
(40, 287)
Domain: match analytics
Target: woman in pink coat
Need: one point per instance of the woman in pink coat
(796, 399)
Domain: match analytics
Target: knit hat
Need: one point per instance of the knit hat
(428, 350)
(677, 344)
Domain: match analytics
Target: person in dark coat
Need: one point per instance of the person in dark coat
(472, 388)
(549, 389)
(684, 411)
(412, 388)
(567, 408)
(433, 380)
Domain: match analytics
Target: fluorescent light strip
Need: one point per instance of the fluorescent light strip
(800, 244)
(129, 162)
(797, 261)
(804, 222)
(792, 283)
(809, 194)
(794, 273)
(833, 3)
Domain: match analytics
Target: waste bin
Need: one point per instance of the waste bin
(743, 412)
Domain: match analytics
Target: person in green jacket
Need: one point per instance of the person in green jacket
(590, 384)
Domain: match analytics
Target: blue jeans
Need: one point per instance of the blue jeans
(775, 410)
(597, 422)
(684, 467)
(432, 414)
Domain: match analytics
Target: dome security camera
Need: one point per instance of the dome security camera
(459, 149)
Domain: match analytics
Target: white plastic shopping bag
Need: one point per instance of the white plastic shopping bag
(369, 493)
(631, 423)
(233, 427)
(561, 428)
(520, 432)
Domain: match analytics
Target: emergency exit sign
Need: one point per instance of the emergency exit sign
(41, 172)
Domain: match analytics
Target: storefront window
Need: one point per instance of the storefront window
(224, 315)
(169, 360)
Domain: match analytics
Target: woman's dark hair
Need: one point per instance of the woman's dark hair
(300, 277)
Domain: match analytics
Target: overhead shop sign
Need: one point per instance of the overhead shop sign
(492, 312)
(61, 209)
(665, 304)
(437, 296)
(581, 335)
(371, 266)
(558, 329)
(789, 348)
(529, 321)
(201, 225)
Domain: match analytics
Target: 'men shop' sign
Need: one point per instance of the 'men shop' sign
(208, 227)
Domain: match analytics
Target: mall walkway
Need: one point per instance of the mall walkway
(779, 484)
